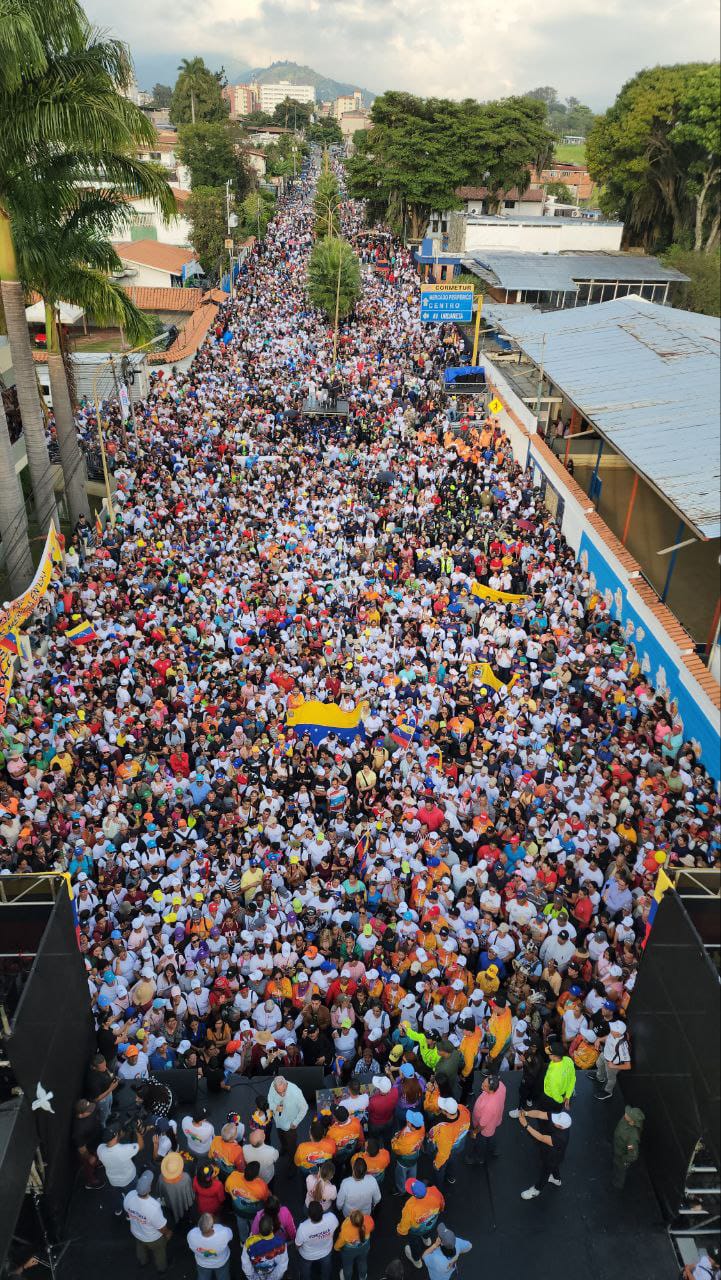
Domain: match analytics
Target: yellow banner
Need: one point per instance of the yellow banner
(7, 670)
(487, 593)
(485, 671)
(20, 609)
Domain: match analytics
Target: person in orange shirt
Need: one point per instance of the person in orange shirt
(346, 1132)
(468, 1049)
(353, 1243)
(419, 1218)
(226, 1151)
(376, 1159)
(448, 1138)
(316, 1150)
(248, 1193)
(406, 1147)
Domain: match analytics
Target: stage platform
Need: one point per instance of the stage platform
(337, 409)
(584, 1229)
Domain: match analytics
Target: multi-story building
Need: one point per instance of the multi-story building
(271, 95)
(351, 121)
(347, 102)
(574, 176)
(243, 98)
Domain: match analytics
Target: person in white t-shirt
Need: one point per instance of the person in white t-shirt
(209, 1243)
(118, 1160)
(314, 1241)
(148, 1223)
(199, 1132)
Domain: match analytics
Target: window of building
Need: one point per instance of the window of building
(509, 204)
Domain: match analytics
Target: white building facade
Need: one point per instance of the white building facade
(271, 95)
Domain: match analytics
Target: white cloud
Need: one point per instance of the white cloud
(454, 49)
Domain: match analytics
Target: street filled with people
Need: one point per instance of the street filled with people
(440, 875)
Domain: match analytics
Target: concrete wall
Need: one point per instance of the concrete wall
(552, 235)
(149, 277)
(664, 649)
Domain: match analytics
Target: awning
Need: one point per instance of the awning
(475, 371)
(68, 313)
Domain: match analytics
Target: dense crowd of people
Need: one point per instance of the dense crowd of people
(462, 884)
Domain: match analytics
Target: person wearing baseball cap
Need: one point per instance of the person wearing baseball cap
(419, 1218)
(406, 1146)
(447, 1139)
(441, 1257)
(616, 1057)
(552, 1135)
(148, 1224)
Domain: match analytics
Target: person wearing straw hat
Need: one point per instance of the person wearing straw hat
(175, 1186)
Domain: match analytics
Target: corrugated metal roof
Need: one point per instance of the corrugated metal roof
(647, 376)
(562, 271)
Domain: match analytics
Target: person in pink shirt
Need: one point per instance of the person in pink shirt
(486, 1117)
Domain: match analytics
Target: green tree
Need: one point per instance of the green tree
(326, 205)
(65, 252)
(290, 114)
(257, 120)
(61, 103)
(326, 132)
(703, 291)
(197, 94)
(212, 153)
(560, 191)
(283, 158)
(334, 279)
(206, 212)
(419, 151)
(257, 210)
(657, 154)
(162, 93)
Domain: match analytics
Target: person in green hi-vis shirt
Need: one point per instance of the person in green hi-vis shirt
(559, 1082)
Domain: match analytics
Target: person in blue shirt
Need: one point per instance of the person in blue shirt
(441, 1258)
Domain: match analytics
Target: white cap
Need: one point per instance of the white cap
(448, 1105)
(561, 1119)
(381, 1083)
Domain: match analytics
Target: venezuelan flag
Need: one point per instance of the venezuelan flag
(10, 642)
(405, 728)
(362, 850)
(82, 634)
(434, 759)
(663, 884)
(318, 719)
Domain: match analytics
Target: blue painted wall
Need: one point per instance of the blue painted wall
(656, 664)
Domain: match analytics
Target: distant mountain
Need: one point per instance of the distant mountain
(325, 88)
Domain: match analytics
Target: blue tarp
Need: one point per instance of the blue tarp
(465, 371)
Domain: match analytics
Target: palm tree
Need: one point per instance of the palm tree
(193, 71)
(67, 255)
(14, 542)
(60, 100)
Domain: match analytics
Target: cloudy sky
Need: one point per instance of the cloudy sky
(586, 48)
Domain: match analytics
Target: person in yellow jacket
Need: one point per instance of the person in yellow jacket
(406, 1147)
(488, 980)
(419, 1218)
(471, 1037)
(447, 1139)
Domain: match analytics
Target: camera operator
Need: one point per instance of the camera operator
(117, 1155)
(154, 1097)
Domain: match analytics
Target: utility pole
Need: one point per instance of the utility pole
(540, 380)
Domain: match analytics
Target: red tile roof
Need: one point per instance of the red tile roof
(151, 253)
(533, 195)
(164, 299)
(190, 337)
